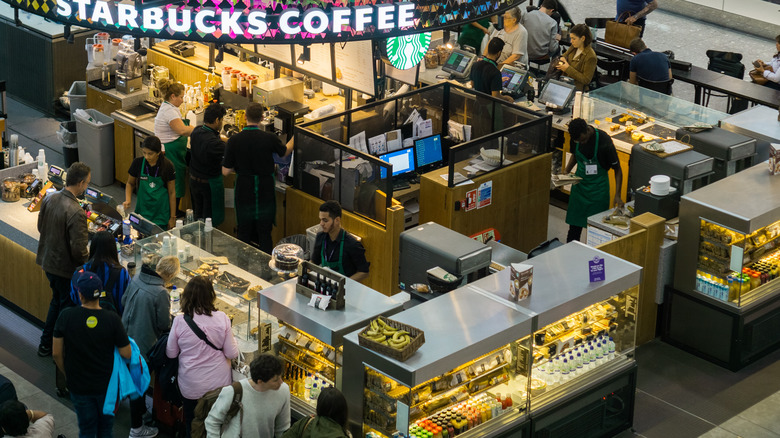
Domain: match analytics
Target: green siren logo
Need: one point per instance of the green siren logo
(404, 52)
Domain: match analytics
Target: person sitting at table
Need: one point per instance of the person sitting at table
(648, 65)
(579, 62)
(515, 36)
(771, 71)
(543, 32)
(336, 249)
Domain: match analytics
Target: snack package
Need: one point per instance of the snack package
(520, 281)
(774, 158)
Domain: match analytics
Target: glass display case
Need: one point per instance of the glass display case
(656, 109)
(726, 266)
(310, 340)
(489, 363)
(237, 270)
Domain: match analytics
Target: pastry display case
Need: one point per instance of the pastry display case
(237, 270)
(725, 304)
(490, 364)
(310, 340)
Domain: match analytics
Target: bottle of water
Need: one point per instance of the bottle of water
(314, 393)
(175, 300)
(208, 231)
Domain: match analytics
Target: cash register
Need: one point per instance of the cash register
(514, 81)
(459, 64)
(557, 96)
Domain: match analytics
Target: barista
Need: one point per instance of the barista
(155, 178)
(334, 248)
(173, 132)
(594, 154)
(207, 190)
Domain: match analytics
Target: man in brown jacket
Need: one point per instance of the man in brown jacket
(63, 244)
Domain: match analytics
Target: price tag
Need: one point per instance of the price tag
(319, 301)
(737, 254)
(597, 271)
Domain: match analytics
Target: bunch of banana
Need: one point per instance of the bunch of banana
(381, 332)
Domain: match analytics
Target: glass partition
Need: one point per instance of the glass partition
(609, 101)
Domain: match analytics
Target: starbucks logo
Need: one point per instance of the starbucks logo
(404, 52)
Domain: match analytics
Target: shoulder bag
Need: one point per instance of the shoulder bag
(621, 34)
(198, 332)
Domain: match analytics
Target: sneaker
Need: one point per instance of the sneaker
(44, 351)
(143, 432)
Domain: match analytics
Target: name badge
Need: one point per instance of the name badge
(591, 169)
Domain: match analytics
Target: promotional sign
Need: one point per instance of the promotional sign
(596, 269)
(265, 21)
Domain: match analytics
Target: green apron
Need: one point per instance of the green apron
(248, 187)
(152, 202)
(176, 151)
(217, 186)
(591, 194)
(336, 266)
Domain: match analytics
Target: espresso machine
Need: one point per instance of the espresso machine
(130, 69)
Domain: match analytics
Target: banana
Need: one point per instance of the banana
(372, 332)
(397, 335)
(389, 332)
(382, 324)
(399, 344)
(374, 326)
(378, 338)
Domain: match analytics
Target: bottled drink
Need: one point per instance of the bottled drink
(314, 393)
(175, 300)
(105, 75)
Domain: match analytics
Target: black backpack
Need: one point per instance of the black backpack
(166, 370)
(107, 297)
(727, 63)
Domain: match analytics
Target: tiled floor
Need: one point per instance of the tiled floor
(678, 395)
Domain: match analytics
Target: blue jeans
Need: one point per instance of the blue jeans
(89, 412)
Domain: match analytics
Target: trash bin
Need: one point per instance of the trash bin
(77, 95)
(96, 144)
(68, 136)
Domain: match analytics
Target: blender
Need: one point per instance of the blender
(129, 69)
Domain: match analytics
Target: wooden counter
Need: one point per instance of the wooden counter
(519, 207)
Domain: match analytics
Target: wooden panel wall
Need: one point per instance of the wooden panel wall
(381, 243)
(519, 209)
(24, 282)
(642, 247)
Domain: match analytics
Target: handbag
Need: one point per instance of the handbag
(757, 77)
(621, 34)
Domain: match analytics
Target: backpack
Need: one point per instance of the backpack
(107, 297)
(166, 370)
(205, 404)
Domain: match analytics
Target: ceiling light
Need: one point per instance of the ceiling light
(305, 55)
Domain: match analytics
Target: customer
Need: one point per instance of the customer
(336, 249)
(201, 367)
(7, 390)
(63, 244)
(104, 261)
(266, 401)
(173, 132)
(17, 420)
(147, 316)
(648, 65)
(543, 32)
(771, 71)
(154, 177)
(250, 155)
(635, 12)
(206, 188)
(485, 76)
(331, 419)
(516, 38)
(473, 33)
(579, 62)
(594, 154)
(83, 348)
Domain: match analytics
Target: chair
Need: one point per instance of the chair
(535, 65)
(597, 23)
(614, 71)
(664, 87)
(727, 63)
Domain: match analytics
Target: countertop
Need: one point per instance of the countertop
(16, 223)
(128, 100)
(145, 125)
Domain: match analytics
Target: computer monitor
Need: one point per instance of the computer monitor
(513, 79)
(459, 63)
(402, 161)
(427, 150)
(557, 93)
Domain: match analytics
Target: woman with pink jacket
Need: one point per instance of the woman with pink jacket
(202, 367)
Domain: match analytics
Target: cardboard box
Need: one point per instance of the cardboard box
(520, 281)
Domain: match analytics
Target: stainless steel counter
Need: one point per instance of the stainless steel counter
(16, 223)
(759, 122)
(329, 326)
(128, 100)
(561, 283)
(146, 125)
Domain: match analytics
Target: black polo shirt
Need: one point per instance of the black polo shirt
(607, 155)
(250, 153)
(207, 150)
(354, 253)
(486, 77)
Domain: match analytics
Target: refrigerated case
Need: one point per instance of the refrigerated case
(310, 340)
(724, 305)
(238, 271)
(481, 348)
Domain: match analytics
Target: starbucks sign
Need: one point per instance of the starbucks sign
(405, 52)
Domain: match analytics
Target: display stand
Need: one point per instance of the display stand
(738, 327)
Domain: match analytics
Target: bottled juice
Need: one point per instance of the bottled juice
(755, 280)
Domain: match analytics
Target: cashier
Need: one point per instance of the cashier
(334, 248)
(154, 176)
(173, 132)
(207, 190)
(594, 154)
